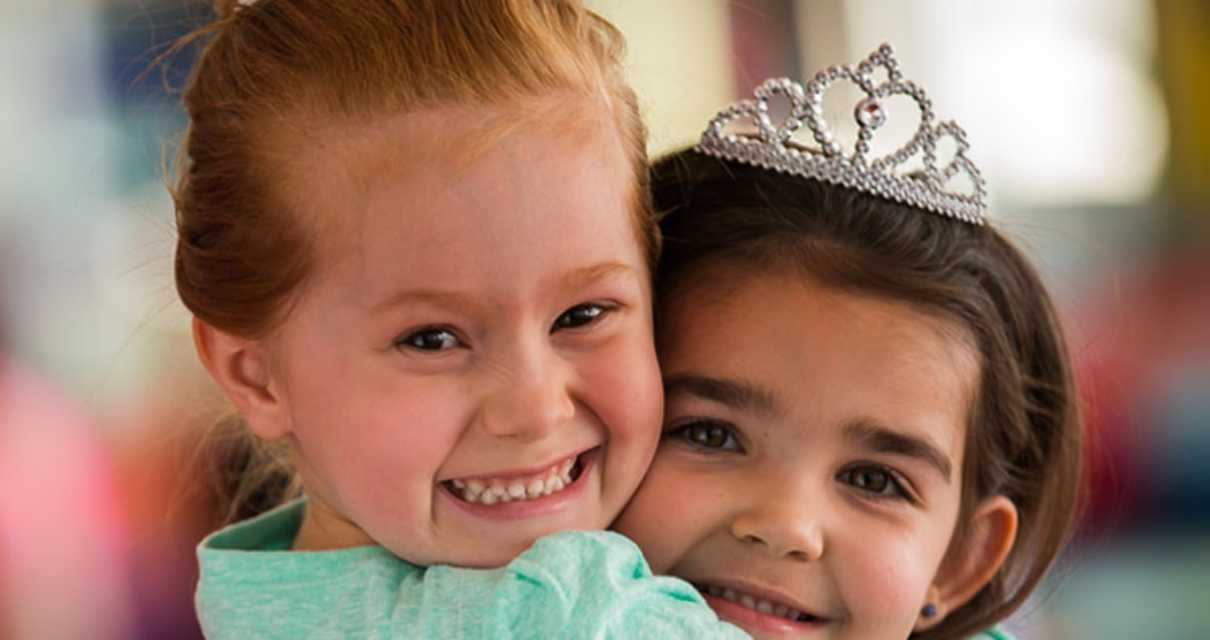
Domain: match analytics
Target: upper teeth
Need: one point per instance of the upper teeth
(492, 490)
(758, 604)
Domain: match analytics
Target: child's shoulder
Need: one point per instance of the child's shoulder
(568, 584)
(567, 562)
(593, 584)
(567, 553)
(252, 585)
(273, 530)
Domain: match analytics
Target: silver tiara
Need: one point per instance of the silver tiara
(772, 147)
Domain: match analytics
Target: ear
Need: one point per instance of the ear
(973, 562)
(241, 368)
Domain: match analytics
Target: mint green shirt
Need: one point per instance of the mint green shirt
(584, 584)
(573, 584)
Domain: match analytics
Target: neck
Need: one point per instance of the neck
(323, 529)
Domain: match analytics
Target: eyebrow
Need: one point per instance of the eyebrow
(731, 393)
(883, 439)
(577, 279)
(585, 276)
(436, 297)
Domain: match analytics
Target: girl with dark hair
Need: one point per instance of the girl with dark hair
(871, 428)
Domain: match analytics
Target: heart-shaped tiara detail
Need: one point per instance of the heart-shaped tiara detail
(772, 147)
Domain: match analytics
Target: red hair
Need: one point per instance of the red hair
(277, 75)
(276, 71)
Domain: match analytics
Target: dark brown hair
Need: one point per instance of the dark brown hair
(1024, 427)
(273, 73)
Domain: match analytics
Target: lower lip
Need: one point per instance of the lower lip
(522, 509)
(753, 619)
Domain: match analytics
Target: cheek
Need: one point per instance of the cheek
(664, 518)
(380, 436)
(885, 575)
(621, 385)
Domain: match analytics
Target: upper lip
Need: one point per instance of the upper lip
(521, 473)
(772, 594)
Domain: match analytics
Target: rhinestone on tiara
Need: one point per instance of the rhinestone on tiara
(772, 147)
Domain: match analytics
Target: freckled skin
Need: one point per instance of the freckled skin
(773, 505)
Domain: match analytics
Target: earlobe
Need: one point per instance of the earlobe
(971, 564)
(241, 368)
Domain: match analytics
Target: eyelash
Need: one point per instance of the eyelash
(705, 429)
(894, 483)
(600, 311)
(450, 339)
(409, 341)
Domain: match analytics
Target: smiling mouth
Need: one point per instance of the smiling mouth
(491, 490)
(758, 604)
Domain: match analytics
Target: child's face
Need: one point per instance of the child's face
(811, 456)
(477, 324)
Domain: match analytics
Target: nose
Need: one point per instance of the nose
(782, 526)
(532, 397)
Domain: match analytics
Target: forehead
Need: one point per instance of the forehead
(826, 356)
(464, 193)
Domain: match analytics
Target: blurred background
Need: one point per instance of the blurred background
(1090, 120)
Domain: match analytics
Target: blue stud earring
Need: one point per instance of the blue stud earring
(929, 610)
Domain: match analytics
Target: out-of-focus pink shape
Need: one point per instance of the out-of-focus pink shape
(1153, 320)
(63, 567)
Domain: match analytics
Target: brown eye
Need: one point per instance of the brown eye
(708, 435)
(874, 480)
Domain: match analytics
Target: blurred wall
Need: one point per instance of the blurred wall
(1089, 118)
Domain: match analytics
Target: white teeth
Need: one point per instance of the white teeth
(492, 491)
(752, 602)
